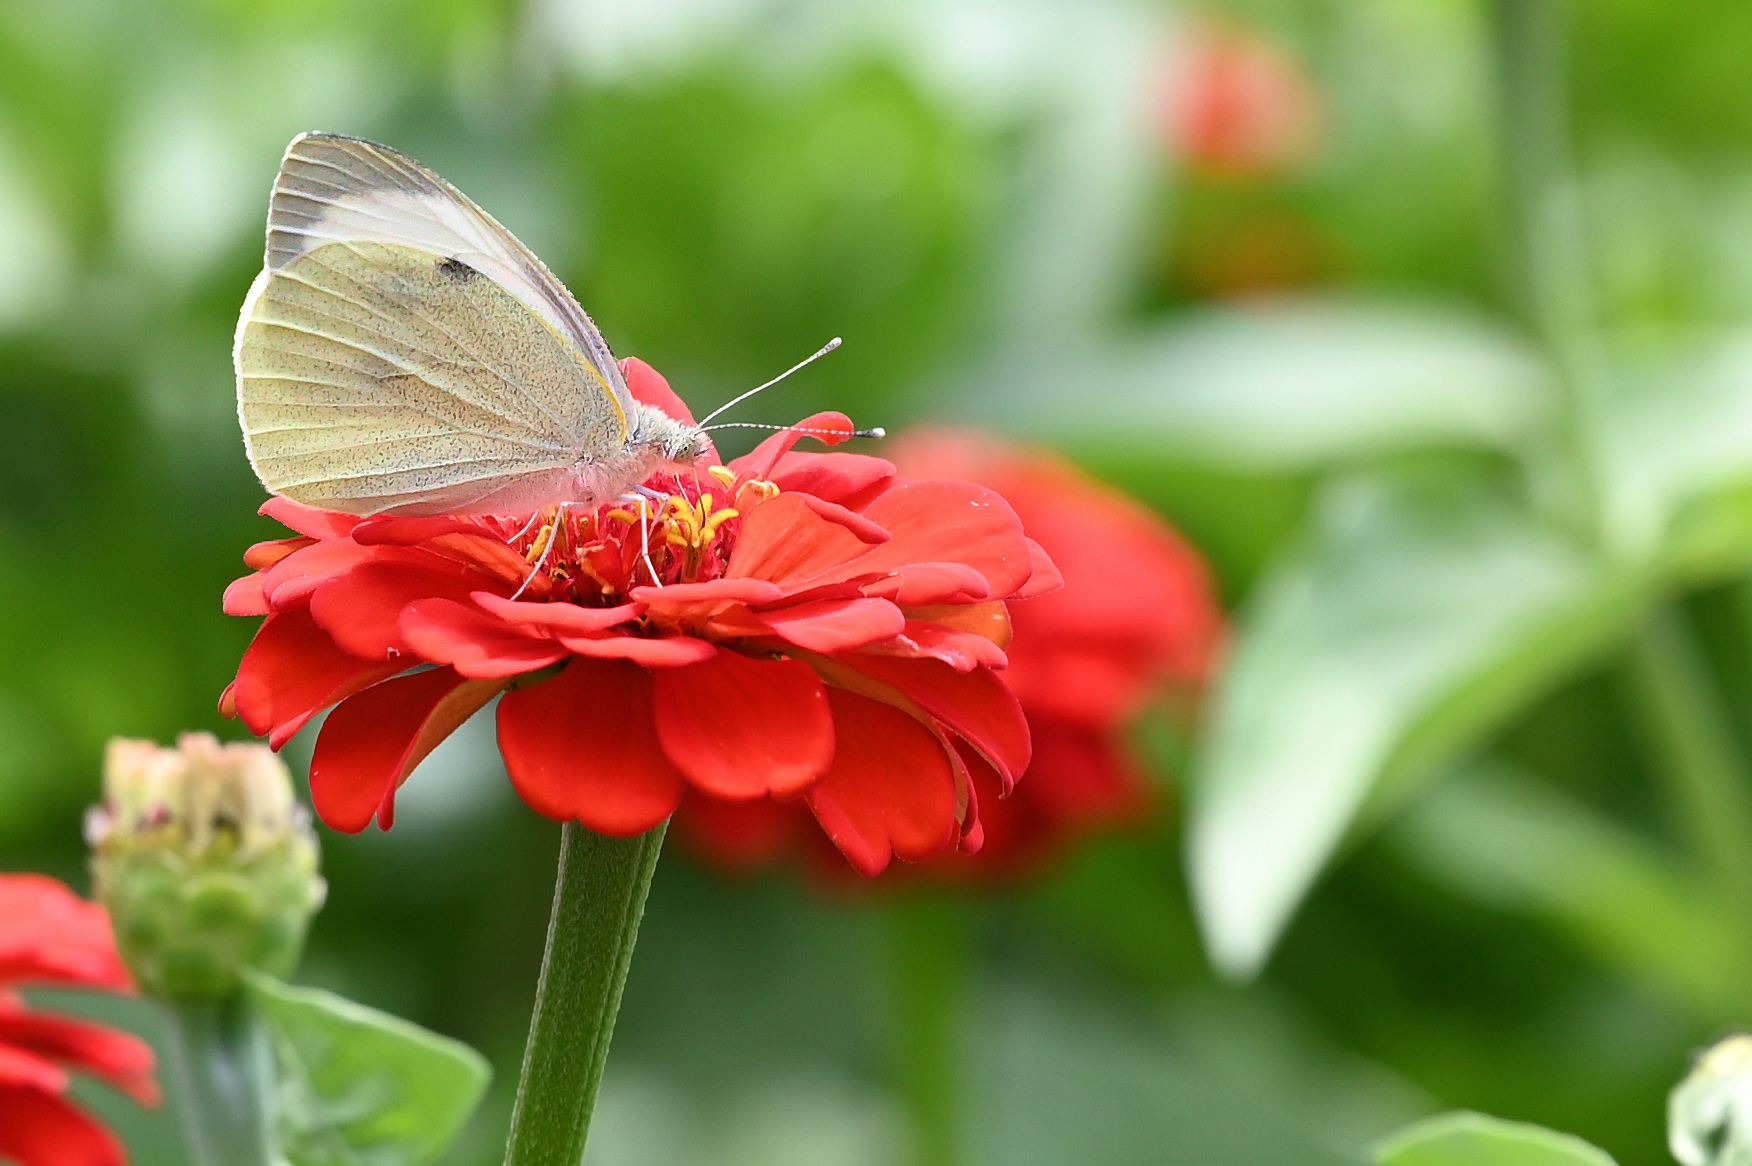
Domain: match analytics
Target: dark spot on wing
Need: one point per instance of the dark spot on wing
(456, 270)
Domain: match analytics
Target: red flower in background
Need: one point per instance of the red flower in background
(803, 627)
(49, 935)
(1135, 618)
(1238, 104)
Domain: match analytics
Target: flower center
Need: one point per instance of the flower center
(679, 529)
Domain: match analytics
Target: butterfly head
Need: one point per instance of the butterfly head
(672, 442)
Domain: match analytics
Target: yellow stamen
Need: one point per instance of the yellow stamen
(540, 544)
(717, 520)
(623, 515)
(724, 474)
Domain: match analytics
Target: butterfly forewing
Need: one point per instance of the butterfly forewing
(377, 378)
(336, 189)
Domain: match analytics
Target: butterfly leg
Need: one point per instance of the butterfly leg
(547, 551)
(645, 540)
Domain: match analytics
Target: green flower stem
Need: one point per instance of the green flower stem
(1553, 279)
(599, 898)
(1697, 754)
(219, 1064)
(932, 958)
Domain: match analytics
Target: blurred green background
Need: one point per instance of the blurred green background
(1426, 322)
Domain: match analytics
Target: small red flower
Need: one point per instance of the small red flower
(1135, 617)
(807, 627)
(50, 935)
(1237, 104)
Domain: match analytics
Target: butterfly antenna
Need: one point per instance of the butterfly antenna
(874, 431)
(812, 358)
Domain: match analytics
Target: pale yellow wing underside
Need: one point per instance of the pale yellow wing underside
(382, 378)
(335, 189)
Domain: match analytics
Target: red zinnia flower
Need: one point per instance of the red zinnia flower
(819, 629)
(1135, 618)
(1238, 104)
(50, 935)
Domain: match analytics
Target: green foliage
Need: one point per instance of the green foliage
(1455, 781)
(1472, 1139)
(358, 1087)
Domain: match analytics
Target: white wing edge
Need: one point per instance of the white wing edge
(243, 317)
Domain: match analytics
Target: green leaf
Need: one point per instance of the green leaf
(1504, 838)
(1673, 437)
(1472, 1139)
(358, 1087)
(1287, 386)
(1414, 619)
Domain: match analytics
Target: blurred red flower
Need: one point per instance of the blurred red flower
(1238, 104)
(821, 630)
(49, 935)
(1134, 618)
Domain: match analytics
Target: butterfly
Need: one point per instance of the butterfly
(402, 353)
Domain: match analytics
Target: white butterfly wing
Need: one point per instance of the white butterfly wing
(332, 188)
(378, 378)
(402, 352)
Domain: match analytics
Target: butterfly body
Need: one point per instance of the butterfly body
(402, 353)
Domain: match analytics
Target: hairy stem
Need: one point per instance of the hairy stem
(599, 898)
(220, 1067)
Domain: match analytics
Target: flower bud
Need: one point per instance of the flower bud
(206, 862)
(1709, 1115)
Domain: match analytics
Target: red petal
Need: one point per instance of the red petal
(831, 428)
(22, 1069)
(245, 596)
(849, 479)
(122, 1059)
(949, 522)
(557, 618)
(40, 1129)
(891, 788)
(740, 727)
(263, 555)
(1045, 577)
(582, 745)
(1081, 779)
(867, 531)
(835, 625)
(361, 606)
(292, 670)
(658, 652)
(741, 836)
(974, 705)
(292, 579)
(370, 744)
(308, 520)
(406, 531)
(1095, 684)
(783, 540)
(49, 934)
(649, 387)
(679, 596)
(962, 651)
(473, 642)
(925, 584)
